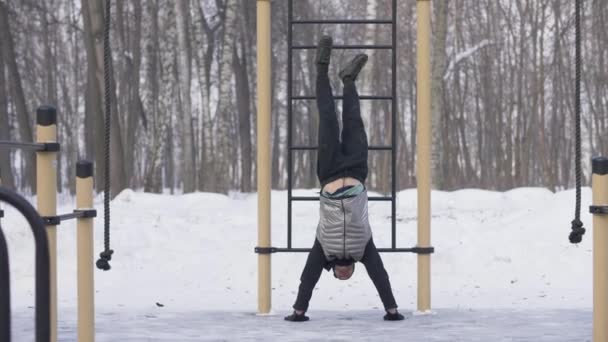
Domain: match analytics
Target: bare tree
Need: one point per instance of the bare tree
(18, 97)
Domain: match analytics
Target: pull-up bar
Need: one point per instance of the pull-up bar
(346, 47)
(344, 21)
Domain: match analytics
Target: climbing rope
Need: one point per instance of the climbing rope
(106, 255)
(576, 235)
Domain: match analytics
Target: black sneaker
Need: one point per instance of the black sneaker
(393, 317)
(294, 317)
(324, 50)
(352, 69)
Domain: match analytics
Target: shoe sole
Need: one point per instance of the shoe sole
(357, 64)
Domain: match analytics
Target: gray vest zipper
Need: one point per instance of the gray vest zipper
(344, 221)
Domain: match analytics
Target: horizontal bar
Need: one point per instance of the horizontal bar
(342, 21)
(310, 199)
(56, 220)
(346, 47)
(39, 147)
(361, 97)
(381, 250)
(313, 148)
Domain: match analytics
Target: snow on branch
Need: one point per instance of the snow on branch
(462, 56)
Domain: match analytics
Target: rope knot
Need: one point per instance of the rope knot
(104, 258)
(576, 236)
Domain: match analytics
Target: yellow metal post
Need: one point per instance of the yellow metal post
(84, 233)
(46, 183)
(423, 167)
(600, 251)
(263, 143)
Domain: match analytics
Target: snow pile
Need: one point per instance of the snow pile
(195, 252)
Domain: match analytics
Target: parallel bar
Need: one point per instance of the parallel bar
(341, 21)
(289, 115)
(344, 47)
(394, 131)
(312, 198)
(370, 148)
(361, 97)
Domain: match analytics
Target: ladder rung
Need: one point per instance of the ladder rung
(311, 199)
(346, 47)
(370, 148)
(361, 97)
(342, 21)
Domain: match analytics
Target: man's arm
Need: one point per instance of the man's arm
(375, 269)
(310, 276)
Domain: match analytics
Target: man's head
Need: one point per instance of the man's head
(343, 270)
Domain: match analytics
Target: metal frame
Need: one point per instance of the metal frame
(43, 293)
(393, 98)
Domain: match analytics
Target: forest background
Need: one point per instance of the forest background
(184, 90)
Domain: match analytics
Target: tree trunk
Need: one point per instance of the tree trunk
(18, 97)
(185, 77)
(437, 105)
(243, 99)
(6, 170)
(93, 16)
(224, 113)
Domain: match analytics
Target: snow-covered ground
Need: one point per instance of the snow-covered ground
(503, 270)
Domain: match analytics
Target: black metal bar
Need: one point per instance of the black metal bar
(43, 294)
(345, 47)
(38, 147)
(598, 209)
(341, 21)
(1, 213)
(289, 115)
(362, 97)
(56, 220)
(417, 250)
(312, 148)
(313, 198)
(394, 131)
(5, 291)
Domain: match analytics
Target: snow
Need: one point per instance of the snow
(462, 56)
(503, 270)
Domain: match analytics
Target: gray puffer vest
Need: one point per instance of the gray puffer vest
(344, 229)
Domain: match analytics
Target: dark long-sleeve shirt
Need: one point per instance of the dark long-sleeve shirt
(316, 262)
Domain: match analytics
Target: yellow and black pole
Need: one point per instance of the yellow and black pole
(263, 143)
(46, 183)
(423, 167)
(599, 209)
(84, 233)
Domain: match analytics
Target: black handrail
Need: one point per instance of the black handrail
(43, 294)
(5, 294)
